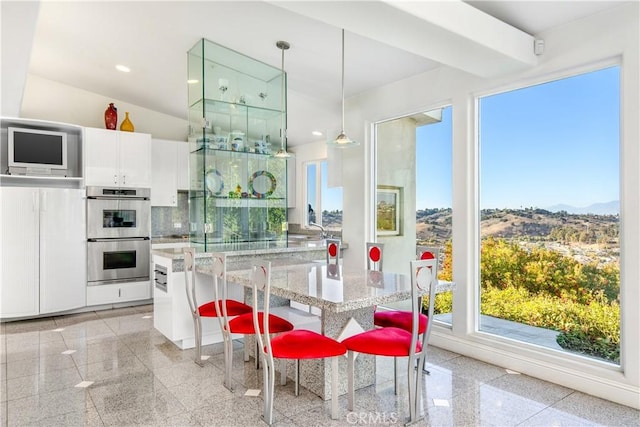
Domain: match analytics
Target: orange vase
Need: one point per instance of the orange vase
(126, 125)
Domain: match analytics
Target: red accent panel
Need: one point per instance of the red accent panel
(303, 344)
(374, 254)
(234, 308)
(333, 250)
(427, 255)
(243, 324)
(399, 319)
(382, 342)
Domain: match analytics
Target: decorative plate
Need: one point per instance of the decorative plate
(214, 182)
(262, 184)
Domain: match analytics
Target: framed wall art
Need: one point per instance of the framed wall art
(388, 210)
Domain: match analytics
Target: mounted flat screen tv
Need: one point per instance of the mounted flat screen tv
(35, 150)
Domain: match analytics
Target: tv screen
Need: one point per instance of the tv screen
(34, 148)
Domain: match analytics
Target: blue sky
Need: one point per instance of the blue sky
(540, 146)
(548, 144)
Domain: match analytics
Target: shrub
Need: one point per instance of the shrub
(593, 329)
(546, 289)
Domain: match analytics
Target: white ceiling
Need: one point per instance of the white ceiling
(79, 43)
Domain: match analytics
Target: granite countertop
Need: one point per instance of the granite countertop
(345, 290)
(170, 239)
(243, 253)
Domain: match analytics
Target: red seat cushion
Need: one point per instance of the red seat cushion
(375, 254)
(399, 319)
(383, 342)
(303, 344)
(243, 324)
(234, 308)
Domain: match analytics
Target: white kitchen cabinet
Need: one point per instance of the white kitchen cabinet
(43, 250)
(118, 292)
(115, 158)
(164, 174)
(183, 166)
(171, 310)
(169, 171)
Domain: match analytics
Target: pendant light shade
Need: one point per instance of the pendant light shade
(343, 140)
(282, 153)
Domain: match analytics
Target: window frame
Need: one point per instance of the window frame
(472, 315)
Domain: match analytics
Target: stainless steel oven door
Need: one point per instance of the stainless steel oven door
(117, 260)
(118, 218)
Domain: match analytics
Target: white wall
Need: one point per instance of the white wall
(396, 167)
(580, 46)
(49, 100)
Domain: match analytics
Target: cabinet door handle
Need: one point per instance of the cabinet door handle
(119, 292)
(124, 179)
(115, 179)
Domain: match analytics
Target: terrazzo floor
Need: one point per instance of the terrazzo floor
(113, 368)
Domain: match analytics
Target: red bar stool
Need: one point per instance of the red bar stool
(398, 342)
(210, 309)
(403, 318)
(296, 344)
(236, 323)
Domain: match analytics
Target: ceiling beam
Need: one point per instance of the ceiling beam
(449, 32)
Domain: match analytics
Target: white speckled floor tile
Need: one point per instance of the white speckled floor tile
(496, 407)
(238, 411)
(25, 326)
(141, 378)
(91, 330)
(32, 409)
(150, 408)
(35, 366)
(87, 418)
(112, 368)
(44, 382)
(531, 388)
(472, 369)
(597, 410)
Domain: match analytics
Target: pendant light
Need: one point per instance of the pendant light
(282, 152)
(343, 140)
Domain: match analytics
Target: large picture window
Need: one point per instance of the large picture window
(550, 204)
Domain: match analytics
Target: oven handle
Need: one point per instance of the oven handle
(134, 198)
(121, 239)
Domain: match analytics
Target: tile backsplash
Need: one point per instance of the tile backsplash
(167, 221)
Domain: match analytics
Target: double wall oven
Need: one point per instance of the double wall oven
(118, 230)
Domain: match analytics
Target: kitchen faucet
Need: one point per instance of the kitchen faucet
(323, 233)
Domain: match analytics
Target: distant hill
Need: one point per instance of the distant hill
(609, 208)
(434, 225)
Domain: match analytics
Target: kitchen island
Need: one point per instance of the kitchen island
(172, 316)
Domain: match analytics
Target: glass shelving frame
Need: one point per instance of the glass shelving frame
(238, 190)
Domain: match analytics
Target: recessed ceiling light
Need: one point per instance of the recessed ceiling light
(192, 81)
(316, 133)
(123, 68)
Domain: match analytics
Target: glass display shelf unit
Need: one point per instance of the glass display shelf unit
(237, 110)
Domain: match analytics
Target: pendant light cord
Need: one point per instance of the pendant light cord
(283, 153)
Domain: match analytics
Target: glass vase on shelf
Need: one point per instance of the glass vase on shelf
(126, 124)
(111, 117)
